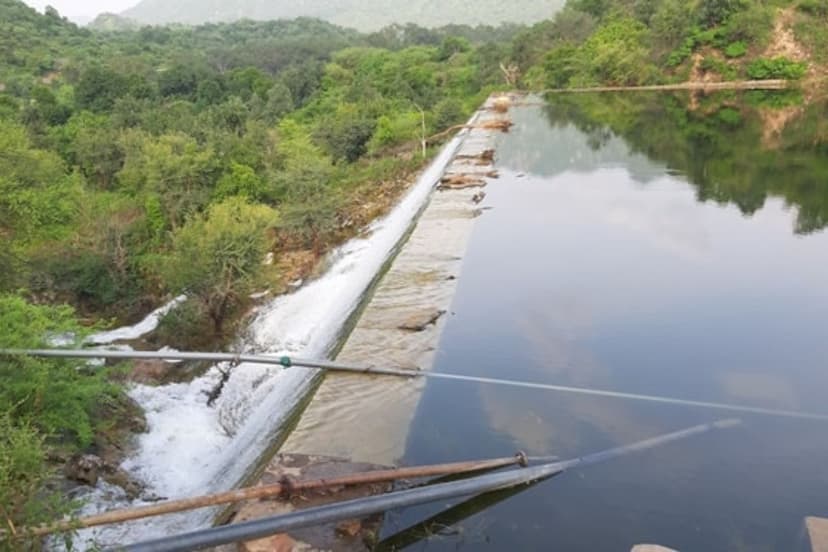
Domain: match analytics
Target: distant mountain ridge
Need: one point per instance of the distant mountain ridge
(364, 15)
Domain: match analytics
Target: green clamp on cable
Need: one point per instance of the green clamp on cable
(286, 362)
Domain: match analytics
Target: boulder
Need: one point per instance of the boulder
(419, 321)
(150, 372)
(84, 468)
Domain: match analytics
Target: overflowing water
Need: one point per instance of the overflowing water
(192, 448)
(142, 328)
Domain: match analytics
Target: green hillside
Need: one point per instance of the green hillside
(365, 15)
(638, 42)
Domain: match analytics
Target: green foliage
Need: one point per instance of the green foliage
(241, 180)
(58, 397)
(817, 8)
(187, 326)
(447, 113)
(736, 49)
(672, 27)
(309, 201)
(617, 53)
(681, 54)
(719, 67)
(776, 68)
(279, 102)
(36, 196)
(99, 87)
(345, 135)
(596, 8)
(23, 475)
(716, 12)
(561, 65)
(174, 166)
(452, 45)
(399, 128)
(217, 256)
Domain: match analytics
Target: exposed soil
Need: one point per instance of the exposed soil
(783, 40)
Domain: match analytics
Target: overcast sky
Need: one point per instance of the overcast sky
(83, 7)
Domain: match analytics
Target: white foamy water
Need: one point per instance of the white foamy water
(140, 329)
(193, 449)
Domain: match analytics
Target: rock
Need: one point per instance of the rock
(501, 104)
(350, 528)
(84, 468)
(478, 197)
(150, 372)
(460, 181)
(418, 322)
(120, 478)
(276, 543)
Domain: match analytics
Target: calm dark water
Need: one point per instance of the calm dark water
(647, 248)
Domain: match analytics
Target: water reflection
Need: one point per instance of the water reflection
(640, 246)
(738, 149)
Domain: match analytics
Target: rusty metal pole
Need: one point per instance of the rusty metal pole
(283, 488)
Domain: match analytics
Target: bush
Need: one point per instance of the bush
(447, 113)
(23, 474)
(185, 327)
(720, 67)
(817, 8)
(57, 397)
(776, 68)
(716, 12)
(736, 49)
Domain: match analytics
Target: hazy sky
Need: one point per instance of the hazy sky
(83, 7)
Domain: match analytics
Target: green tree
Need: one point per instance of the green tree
(279, 102)
(241, 180)
(346, 134)
(716, 12)
(37, 199)
(217, 256)
(561, 64)
(91, 143)
(174, 166)
(99, 87)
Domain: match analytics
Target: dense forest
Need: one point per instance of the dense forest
(139, 164)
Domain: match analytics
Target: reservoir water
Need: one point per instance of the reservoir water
(646, 244)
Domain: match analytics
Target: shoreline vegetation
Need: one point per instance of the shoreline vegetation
(223, 159)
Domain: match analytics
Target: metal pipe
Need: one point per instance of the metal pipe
(361, 507)
(287, 362)
(284, 488)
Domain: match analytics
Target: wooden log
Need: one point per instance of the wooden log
(270, 491)
(772, 84)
